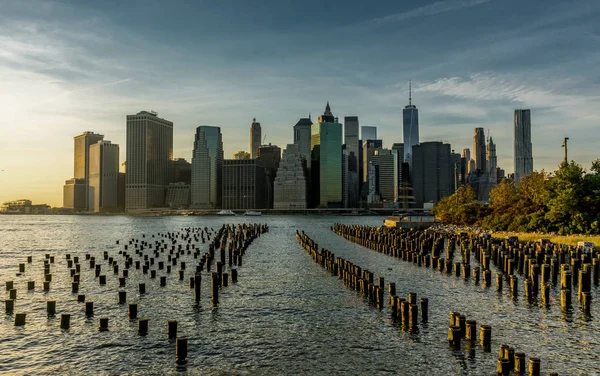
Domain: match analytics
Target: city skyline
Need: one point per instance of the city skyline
(69, 67)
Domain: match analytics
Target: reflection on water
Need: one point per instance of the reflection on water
(286, 315)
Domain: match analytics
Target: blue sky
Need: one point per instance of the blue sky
(71, 66)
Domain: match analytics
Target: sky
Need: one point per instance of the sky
(72, 66)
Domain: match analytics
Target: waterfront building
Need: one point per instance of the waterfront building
(244, 184)
(149, 157)
(290, 186)
(410, 129)
(178, 195)
(302, 138)
(81, 164)
(492, 163)
(431, 178)
(74, 194)
(523, 148)
(121, 192)
(326, 165)
(103, 184)
(351, 140)
(479, 150)
(255, 138)
(24, 206)
(241, 155)
(386, 165)
(207, 168)
(368, 133)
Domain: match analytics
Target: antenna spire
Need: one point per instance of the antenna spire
(410, 92)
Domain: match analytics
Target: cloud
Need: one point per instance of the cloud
(428, 10)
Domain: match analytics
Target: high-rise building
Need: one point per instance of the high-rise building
(479, 150)
(326, 165)
(182, 171)
(207, 168)
(103, 186)
(455, 171)
(431, 172)
(368, 133)
(492, 161)
(269, 156)
(74, 194)
(149, 160)
(178, 195)
(255, 138)
(82, 160)
(351, 141)
(302, 137)
(290, 183)
(410, 128)
(369, 148)
(523, 148)
(241, 155)
(244, 184)
(386, 162)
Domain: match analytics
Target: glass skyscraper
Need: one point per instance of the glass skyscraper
(207, 168)
(326, 147)
(410, 128)
(523, 148)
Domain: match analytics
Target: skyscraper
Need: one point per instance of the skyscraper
(492, 163)
(326, 166)
(431, 172)
(386, 164)
(368, 133)
(523, 148)
(207, 168)
(149, 160)
(479, 150)
(302, 138)
(82, 160)
(104, 177)
(369, 148)
(290, 183)
(269, 156)
(255, 138)
(410, 129)
(244, 184)
(351, 141)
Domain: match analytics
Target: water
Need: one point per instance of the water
(286, 315)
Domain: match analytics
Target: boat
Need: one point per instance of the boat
(251, 213)
(226, 212)
(412, 220)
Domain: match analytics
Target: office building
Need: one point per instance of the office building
(368, 133)
(149, 157)
(178, 195)
(182, 171)
(269, 156)
(410, 128)
(302, 138)
(326, 165)
(386, 165)
(479, 150)
(523, 148)
(492, 161)
(255, 138)
(103, 184)
(81, 158)
(74, 194)
(244, 184)
(369, 148)
(456, 174)
(431, 177)
(351, 140)
(207, 168)
(290, 186)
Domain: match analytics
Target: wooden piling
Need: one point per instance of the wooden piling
(133, 308)
(89, 309)
(172, 329)
(65, 321)
(9, 306)
(181, 350)
(20, 319)
(485, 337)
(122, 297)
(143, 327)
(103, 324)
(51, 307)
(142, 288)
(534, 366)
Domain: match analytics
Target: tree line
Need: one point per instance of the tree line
(565, 202)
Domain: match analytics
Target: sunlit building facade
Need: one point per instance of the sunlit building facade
(207, 168)
(326, 166)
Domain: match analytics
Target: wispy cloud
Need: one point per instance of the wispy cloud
(428, 10)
